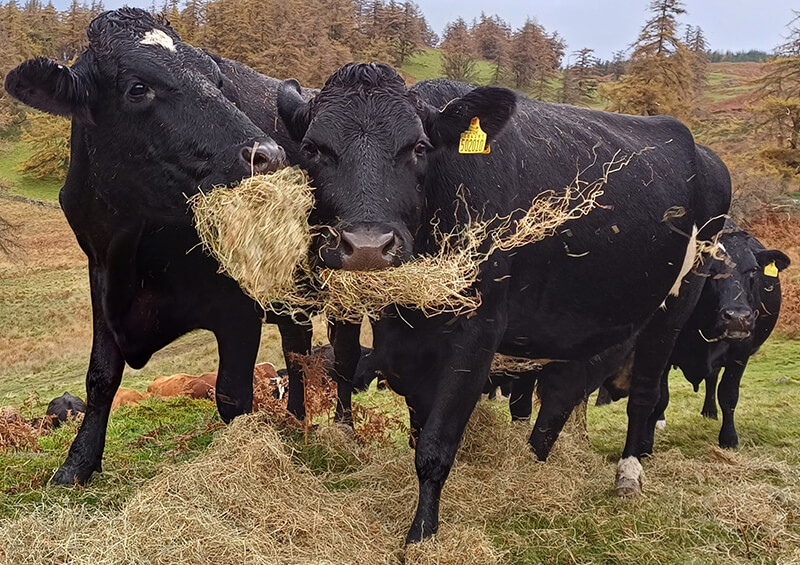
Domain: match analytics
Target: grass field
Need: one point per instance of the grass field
(700, 505)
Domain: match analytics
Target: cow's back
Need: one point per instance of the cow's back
(613, 267)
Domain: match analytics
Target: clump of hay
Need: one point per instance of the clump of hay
(258, 230)
(513, 365)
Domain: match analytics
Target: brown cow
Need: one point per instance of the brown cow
(126, 396)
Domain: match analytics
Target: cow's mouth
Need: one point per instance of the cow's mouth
(736, 335)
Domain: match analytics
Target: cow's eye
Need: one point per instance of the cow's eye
(421, 149)
(309, 149)
(138, 91)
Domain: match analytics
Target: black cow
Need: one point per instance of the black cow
(153, 119)
(385, 164)
(735, 315)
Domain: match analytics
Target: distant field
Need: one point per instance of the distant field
(12, 153)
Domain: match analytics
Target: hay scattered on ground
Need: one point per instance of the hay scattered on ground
(250, 499)
(258, 230)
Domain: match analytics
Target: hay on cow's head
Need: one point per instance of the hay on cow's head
(258, 230)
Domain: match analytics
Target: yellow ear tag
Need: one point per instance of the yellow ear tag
(473, 141)
(771, 270)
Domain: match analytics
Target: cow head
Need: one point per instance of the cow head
(151, 112)
(735, 288)
(369, 143)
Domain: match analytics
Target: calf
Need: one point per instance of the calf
(386, 169)
(65, 407)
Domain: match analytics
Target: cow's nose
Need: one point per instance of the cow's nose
(739, 318)
(368, 249)
(264, 157)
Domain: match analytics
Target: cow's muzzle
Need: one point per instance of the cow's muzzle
(263, 156)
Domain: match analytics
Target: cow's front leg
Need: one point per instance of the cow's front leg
(520, 403)
(238, 341)
(458, 390)
(295, 339)
(728, 399)
(710, 403)
(102, 381)
(344, 338)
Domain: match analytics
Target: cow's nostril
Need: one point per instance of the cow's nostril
(264, 158)
(365, 250)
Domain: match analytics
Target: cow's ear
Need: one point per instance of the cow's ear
(47, 86)
(768, 256)
(491, 105)
(292, 109)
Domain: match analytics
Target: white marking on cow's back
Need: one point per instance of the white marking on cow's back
(158, 37)
(688, 262)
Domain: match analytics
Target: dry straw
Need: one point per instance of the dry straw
(258, 230)
(259, 234)
(249, 499)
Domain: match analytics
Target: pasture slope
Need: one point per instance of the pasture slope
(178, 487)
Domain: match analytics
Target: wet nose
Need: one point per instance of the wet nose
(368, 249)
(263, 156)
(738, 318)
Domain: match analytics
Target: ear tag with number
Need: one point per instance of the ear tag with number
(771, 270)
(473, 141)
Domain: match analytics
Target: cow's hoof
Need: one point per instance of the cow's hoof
(68, 476)
(710, 414)
(728, 442)
(419, 533)
(661, 425)
(629, 478)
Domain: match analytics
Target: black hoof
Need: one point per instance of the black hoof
(729, 442)
(68, 475)
(420, 532)
(710, 414)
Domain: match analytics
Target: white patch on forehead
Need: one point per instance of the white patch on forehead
(158, 37)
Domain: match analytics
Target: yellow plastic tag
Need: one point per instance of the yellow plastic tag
(473, 141)
(771, 270)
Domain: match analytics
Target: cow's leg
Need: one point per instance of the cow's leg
(603, 397)
(102, 381)
(295, 338)
(560, 392)
(658, 413)
(458, 391)
(344, 338)
(238, 348)
(520, 403)
(728, 398)
(653, 349)
(710, 404)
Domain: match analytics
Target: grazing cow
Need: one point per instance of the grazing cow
(385, 165)
(735, 315)
(65, 407)
(153, 121)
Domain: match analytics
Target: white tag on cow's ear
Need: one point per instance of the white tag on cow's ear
(473, 141)
(771, 270)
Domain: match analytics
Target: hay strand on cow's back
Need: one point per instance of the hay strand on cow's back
(258, 230)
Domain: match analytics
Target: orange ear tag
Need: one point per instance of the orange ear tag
(473, 141)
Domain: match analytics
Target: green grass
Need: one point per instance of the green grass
(12, 153)
(428, 65)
